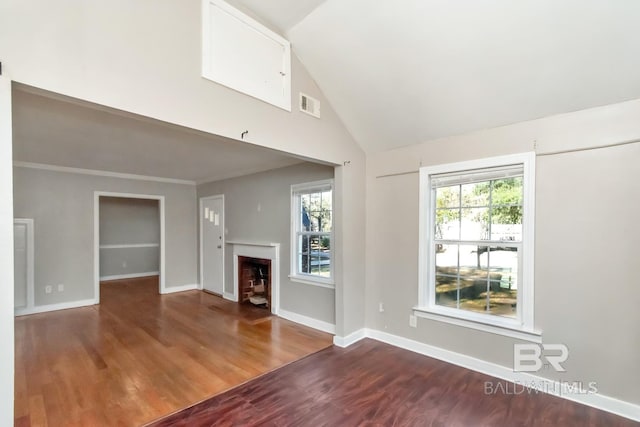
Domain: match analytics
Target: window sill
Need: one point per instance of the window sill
(504, 330)
(312, 281)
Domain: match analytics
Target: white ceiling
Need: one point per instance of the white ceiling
(404, 72)
(282, 14)
(53, 130)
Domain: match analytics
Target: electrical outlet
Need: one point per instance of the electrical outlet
(413, 321)
(60, 287)
(48, 289)
(381, 307)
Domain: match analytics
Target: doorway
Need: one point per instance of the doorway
(212, 241)
(136, 246)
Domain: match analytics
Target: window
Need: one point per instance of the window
(312, 233)
(240, 53)
(476, 246)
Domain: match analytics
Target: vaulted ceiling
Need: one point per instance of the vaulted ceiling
(404, 72)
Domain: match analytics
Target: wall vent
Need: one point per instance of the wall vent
(309, 105)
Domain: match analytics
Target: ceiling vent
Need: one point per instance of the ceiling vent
(309, 105)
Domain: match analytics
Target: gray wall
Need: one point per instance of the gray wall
(272, 190)
(62, 207)
(125, 221)
(587, 240)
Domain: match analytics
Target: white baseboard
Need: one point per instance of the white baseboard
(595, 400)
(352, 338)
(229, 296)
(54, 307)
(174, 289)
(129, 276)
(308, 321)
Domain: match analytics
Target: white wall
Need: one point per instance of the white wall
(272, 223)
(587, 242)
(145, 57)
(61, 205)
(6, 256)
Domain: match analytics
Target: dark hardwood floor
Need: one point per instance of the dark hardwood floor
(374, 384)
(139, 355)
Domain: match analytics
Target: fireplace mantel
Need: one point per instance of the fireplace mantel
(251, 243)
(265, 250)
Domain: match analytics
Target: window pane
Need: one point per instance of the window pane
(473, 277)
(448, 197)
(325, 221)
(315, 263)
(503, 302)
(303, 254)
(319, 211)
(507, 191)
(326, 200)
(474, 224)
(491, 285)
(446, 291)
(476, 194)
(314, 201)
(303, 257)
(315, 221)
(446, 259)
(506, 223)
(305, 220)
(305, 201)
(320, 255)
(447, 224)
(503, 295)
(303, 244)
(446, 275)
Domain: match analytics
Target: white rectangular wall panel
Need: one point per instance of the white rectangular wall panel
(241, 53)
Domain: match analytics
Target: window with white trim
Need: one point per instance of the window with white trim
(312, 232)
(476, 244)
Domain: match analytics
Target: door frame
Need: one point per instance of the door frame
(7, 367)
(201, 239)
(96, 235)
(30, 266)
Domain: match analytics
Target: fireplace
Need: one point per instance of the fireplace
(256, 264)
(254, 281)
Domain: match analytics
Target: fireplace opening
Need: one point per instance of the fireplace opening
(254, 281)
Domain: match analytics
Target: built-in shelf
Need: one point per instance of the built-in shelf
(132, 245)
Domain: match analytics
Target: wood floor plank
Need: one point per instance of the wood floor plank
(374, 384)
(139, 355)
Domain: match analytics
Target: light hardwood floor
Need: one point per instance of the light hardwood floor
(138, 355)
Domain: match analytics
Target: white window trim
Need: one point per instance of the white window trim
(294, 276)
(523, 326)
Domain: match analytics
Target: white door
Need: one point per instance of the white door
(212, 244)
